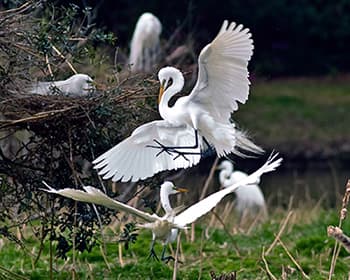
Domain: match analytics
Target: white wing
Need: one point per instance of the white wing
(204, 206)
(132, 160)
(95, 196)
(223, 74)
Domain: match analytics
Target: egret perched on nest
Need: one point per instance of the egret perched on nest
(76, 85)
(249, 199)
(196, 119)
(165, 228)
(144, 47)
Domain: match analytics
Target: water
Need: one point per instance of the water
(300, 181)
(307, 182)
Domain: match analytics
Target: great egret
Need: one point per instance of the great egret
(248, 199)
(144, 47)
(204, 114)
(165, 228)
(76, 85)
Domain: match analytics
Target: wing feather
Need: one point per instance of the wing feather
(204, 206)
(223, 72)
(95, 196)
(132, 160)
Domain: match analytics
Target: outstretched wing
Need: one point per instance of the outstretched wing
(223, 74)
(204, 206)
(132, 160)
(95, 196)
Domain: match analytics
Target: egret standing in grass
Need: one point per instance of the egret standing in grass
(165, 228)
(203, 117)
(76, 85)
(144, 47)
(249, 199)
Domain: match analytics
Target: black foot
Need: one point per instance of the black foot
(168, 258)
(153, 255)
(173, 150)
(162, 148)
(180, 154)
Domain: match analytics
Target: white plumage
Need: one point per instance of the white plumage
(144, 47)
(132, 160)
(76, 85)
(165, 228)
(249, 198)
(222, 83)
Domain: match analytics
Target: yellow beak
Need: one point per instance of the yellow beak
(181, 190)
(161, 91)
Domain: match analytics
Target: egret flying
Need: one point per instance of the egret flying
(144, 47)
(76, 85)
(249, 198)
(165, 228)
(203, 117)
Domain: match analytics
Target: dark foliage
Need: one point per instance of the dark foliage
(56, 137)
(128, 235)
(291, 37)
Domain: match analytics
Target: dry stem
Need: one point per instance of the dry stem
(342, 216)
(267, 269)
(282, 228)
(293, 259)
(176, 255)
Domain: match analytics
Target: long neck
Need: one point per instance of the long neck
(177, 85)
(225, 176)
(164, 200)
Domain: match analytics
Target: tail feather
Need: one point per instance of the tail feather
(244, 144)
(226, 138)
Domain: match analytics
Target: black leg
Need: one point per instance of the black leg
(175, 149)
(153, 254)
(164, 258)
(162, 148)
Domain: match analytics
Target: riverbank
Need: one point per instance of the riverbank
(303, 118)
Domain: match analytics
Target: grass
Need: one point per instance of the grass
(310, 113)
(304, 236)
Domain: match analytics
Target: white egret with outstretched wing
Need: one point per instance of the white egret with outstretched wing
(165, 228)
(202, 116)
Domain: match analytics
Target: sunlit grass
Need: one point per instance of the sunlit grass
(214, 249)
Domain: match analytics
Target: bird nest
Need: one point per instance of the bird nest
(55, 137)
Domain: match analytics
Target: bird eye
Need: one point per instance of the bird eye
(170, 82)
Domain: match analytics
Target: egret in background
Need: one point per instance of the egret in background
(165, 228)
(203, 117)
(144, 47)
(249, 199)
(76, 85)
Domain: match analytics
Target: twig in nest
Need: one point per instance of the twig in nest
(37, 116)
(48, 65)
(65, 59)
